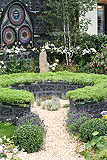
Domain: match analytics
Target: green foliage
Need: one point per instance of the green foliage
(52, 105)
(99, 145)
(18, 63)
(63, 67)
(86, 130)
(15, 96)
(30, 137)
(63, 96)
(97, 92)
(66, 106)
(76, 119)
(88, 93)
(87, 41)
(6, 129)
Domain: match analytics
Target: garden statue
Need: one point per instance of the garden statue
(43, 64)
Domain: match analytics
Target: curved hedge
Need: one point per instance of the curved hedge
(96, 92)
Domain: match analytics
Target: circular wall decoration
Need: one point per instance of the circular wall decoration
(25, 34)
(16, 14)
(9, 35)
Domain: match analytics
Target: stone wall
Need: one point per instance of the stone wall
(47, 88)
(94, 108)
(10, 112)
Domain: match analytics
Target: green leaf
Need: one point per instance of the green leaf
(95, 133)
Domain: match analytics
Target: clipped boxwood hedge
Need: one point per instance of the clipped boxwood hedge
(97, 90)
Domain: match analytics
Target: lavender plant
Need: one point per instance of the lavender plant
(30, 132)
(32, 119)
(76, 118)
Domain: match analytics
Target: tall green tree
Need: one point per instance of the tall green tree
(66, 18)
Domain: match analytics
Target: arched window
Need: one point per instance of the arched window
(16, 26)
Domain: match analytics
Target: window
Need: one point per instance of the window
(102, 18)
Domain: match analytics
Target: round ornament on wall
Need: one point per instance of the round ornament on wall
(16, 14)
(25, 34)
(9, 35)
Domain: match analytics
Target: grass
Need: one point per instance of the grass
(6, 129)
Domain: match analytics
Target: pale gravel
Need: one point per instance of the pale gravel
(58, 145)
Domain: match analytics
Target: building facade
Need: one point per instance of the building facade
(98, 18)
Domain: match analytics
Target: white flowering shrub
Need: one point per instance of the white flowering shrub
(71, 53)
(14, 60)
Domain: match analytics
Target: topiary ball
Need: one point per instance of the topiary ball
(29, 137)
(87, 128)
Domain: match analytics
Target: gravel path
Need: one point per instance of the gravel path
(59, 145)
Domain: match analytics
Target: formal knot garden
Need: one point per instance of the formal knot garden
(53, 82)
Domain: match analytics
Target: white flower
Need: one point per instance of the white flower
(4, 66)
(104, 113)
(57, 60)
(85, 51)
(8, 50)
(55, 64)
(52, 45)
(23, 150)
(33, 49)
(50, 66)
(93, 50)
(78, 47)
(2, 62)
(8, 139)
(4, 137)
(46, 46)
(0, 66)
(15, 150)
(0, 140)
(53, 68)
(16, 51)
(1, 149)
(13, 46)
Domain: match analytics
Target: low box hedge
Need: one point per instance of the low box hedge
(97, 91)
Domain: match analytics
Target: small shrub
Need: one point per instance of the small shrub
(76, 119)
(90, 126)
(64, 67)
(63, 96)
(30, 137)
(52, 105)
(30, 132)
(38, 101)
